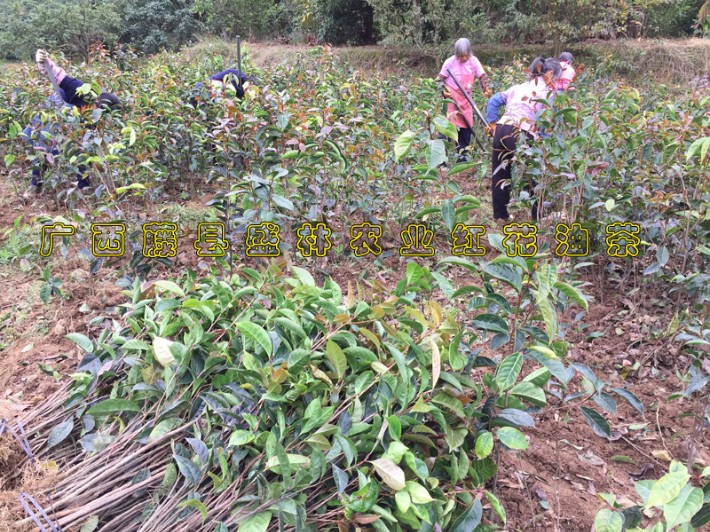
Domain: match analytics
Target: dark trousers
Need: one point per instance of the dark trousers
(504, 144)
(464, 140)
(38, 174)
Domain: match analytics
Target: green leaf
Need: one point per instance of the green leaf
(667, 488)
(60, 433)
(605, 401)
(454, 438)
(630, 397)
(169, 286)
(162, 428)
(341, 479)
(702, 517)
(450, 402)
(303, 276)
(469, 519)
(291, 325)
(546, 278)
(403, 144)
(496, 505)
(435, 154)
(705, 148)
(508, 371)
(596, 421)
(643, 488)
(435, 363)
(403, 500)
(448, 213)
(682, 509)
(241, 437)
(418, 493)
(539, 377)
(365, 498)
(512, 438)
(135, 345)
(505, 272)
(416, 464)
(188, 469)
(530, 392)
(113, 406)
(82, 341)
(9, 159)
(484, 444)
(518, 418)
(256, 333)
(445, 127)
(198, 505)
(391, 474)
(460, 167)
(608, 521)
(256, 523)
(573, 293)
(549, 315)
(491, 322)
(273, 464)
(335, 355)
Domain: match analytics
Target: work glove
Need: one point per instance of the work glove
(41, 56)
(491, 129)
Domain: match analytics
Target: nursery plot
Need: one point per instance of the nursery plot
(365, 372)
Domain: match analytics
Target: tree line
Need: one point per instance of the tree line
(151, 25)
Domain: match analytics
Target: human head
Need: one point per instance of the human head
(109, 100)
(550, 68)
(566, 57)
(536, 65)
(462, 49)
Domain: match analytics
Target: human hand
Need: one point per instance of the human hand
(446, 93)
(488, 92)
(491, 129)
(41, 56)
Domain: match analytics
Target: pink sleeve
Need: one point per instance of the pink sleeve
(57, 71)
(447, 64)
(477, 67)
(562, 83)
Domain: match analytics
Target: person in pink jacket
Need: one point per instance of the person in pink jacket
(568, 73)
(466, 68)
(523, 103)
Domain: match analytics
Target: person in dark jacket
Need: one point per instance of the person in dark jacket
(68, 86)
(66, 95)
(225, 82)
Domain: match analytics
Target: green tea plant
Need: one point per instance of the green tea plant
(683, 506)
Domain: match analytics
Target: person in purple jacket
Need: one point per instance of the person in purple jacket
(523, 104)
(67, 95)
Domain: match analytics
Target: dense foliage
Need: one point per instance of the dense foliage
(74, 25)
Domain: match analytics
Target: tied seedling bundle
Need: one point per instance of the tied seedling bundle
(263, 401)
